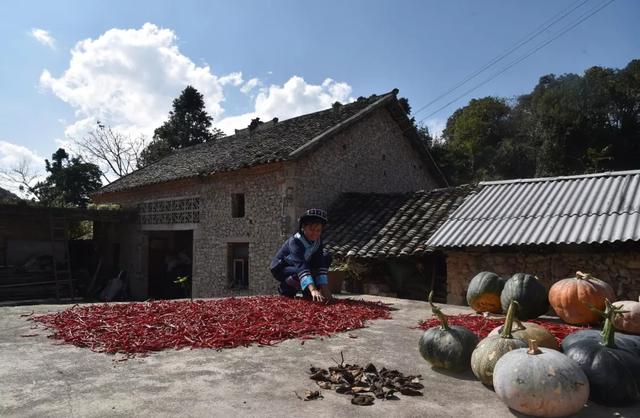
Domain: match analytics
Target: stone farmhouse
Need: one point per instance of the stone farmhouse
(221, 209)
(550, 227)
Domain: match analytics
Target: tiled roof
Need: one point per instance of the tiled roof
(371, 225)
(271, 142)
(594, 208)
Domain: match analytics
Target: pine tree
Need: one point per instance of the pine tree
(188, 124)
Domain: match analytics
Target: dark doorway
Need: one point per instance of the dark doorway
(414, 277)
(170, 257)
(238, 265)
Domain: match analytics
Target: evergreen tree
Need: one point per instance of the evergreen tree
(70, 181)
(188, 125)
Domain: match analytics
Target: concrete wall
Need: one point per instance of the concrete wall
(620, 267)
(371, 156)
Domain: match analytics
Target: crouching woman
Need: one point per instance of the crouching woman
(301, 264)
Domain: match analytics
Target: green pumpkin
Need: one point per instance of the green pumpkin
(613, 369)
(483, 294)
(530, 294)
(447, 347)
(491, 348)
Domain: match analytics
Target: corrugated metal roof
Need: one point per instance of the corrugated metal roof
(592, 208)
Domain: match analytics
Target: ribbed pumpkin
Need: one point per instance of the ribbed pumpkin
(629, 321)
(491, 348)
(528, 292)
(613, 371)
(572, 298)
(483, 293)
(540, 382)
(526, 331)
(627, 342)
(447, 347)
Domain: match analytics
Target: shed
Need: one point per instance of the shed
(380, 240)
(550, 227)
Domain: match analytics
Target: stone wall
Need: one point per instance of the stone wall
(372, 156)
(261, 228)
(620, 267)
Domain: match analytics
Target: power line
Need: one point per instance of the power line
(513, 63)
(554, 19)
(542, 45)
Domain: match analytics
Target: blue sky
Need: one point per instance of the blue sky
(68, 63)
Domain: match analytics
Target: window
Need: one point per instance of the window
(237, 205)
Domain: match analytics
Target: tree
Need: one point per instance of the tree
(119, 153)
(155, 151)
(188, 125)
(568, 124)
(586, 123)
(70, 181)
(477, 138)
(23, 176)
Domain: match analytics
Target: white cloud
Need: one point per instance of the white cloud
(13, 156)
(295, 97)
(128, 79)
(235, 79)
(436, 126)
(250, 85)
(44, 37)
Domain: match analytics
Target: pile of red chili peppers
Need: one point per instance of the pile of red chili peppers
(482, 326)
(136, 328)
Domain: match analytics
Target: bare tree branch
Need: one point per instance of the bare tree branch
(118, 153)
(23, 176)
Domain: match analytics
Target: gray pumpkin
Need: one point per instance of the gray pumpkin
(540, 382)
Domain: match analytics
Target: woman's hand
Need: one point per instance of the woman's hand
(316, 296)
(326, 293)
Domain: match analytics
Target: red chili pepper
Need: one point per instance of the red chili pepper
(224, 323)
(482, 326)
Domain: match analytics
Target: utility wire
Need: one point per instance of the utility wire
(522, 58)
(540, 46)
(554, 19)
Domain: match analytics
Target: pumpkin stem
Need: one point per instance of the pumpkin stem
(508, 323)
(582, 276)
(533, 348)
(608, 330)
(438, 312)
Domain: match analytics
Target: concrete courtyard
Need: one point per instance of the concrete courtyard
(39, 377)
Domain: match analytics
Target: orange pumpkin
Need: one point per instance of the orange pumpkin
(629, 321)
(572, 298)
